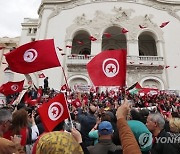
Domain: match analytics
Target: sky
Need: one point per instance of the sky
(12, 14)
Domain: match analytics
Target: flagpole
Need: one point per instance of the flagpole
(65, 98)
(69, 113)
(65, 77)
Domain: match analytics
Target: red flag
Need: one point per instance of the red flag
(54, 112)
(161, 67)
(11, 87)
(41, 75)
(39, 94)
(62, 54)
(59, 49)
(80, 42)
(92, 38)
(33, 56)
(108, 35)
(77, 103)
(167, 66)
(68, 46)
(148, 91)
(32, 102)
(142, 27)
(124, 31)
(108, 68)
(64, 87)
(164, 24)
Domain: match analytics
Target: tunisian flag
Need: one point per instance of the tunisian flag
(33, 56)
(11, 87)
(108, 68)
(54, 112)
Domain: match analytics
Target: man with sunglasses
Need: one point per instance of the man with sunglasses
(7, 146)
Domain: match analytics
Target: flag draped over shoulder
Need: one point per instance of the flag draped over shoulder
(108, 68)
(11, 87)
(33, 56)
(53, 112)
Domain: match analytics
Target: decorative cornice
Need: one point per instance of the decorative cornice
(169, 1)
(170, 6)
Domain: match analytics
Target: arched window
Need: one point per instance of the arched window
(147, 44)
(113, 39)
(81, 43)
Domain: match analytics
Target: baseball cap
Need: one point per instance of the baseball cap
(105, 128)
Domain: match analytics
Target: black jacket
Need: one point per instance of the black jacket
(162, 145)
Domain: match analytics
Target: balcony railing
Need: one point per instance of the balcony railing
(131, 60)
(145, 58)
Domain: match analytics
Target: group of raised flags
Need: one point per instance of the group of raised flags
(137, 89)
(106, 69)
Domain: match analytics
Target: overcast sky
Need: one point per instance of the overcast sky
(12, 14)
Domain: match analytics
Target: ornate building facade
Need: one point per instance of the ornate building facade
(153, 51)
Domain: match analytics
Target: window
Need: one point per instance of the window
(29, 30)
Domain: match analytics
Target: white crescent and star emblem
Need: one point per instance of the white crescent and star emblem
(77, 103)
(30, 55)
(14, 87)
(55, 111)
(110, 67)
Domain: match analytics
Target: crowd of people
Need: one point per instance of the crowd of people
(108, 122)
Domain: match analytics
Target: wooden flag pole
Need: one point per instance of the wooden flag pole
(66, 99)
(65, 77)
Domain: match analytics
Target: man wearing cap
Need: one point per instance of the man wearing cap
(105, 144)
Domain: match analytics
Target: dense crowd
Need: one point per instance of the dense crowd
(107, 122)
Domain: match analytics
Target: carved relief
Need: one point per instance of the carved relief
(122, 14)
(106, 20)
(81, 20)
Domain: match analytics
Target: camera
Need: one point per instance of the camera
(68, 126)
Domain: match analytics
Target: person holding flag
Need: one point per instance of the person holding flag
(53, 114)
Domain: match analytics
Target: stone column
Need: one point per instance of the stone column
(159, 46)
(96, 47)
(132, 48)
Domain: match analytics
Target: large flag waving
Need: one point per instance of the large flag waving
(11, 87)
(108, 68)
(54, 112)
(33, 56)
